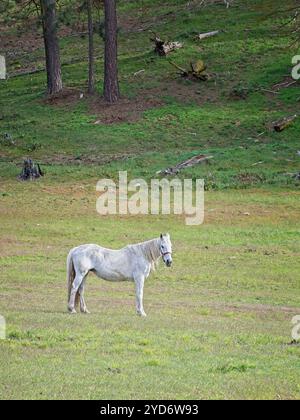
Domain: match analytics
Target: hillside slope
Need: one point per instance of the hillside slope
(161, 119)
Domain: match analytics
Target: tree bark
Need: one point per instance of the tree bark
(53, 66)
(91, 82)
(111, 83)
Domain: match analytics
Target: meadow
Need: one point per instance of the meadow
(219, 321)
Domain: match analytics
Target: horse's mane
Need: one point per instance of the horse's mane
(150, 250)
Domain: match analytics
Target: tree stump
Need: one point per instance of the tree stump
(163, 48)
(30, 171)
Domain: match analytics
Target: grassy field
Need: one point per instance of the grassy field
(219, 322)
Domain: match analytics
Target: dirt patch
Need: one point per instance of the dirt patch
(24, 47)
(21, 43)
(67, 97)
(131, 110)
(187, 92)
(27, 38)
(126, 110)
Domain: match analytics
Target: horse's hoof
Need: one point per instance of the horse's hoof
(72, 311)
(142, 314)
(85, 311)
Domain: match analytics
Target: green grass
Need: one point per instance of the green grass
(219, 322)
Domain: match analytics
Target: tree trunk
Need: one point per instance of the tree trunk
(91, 83)
(53, 67)
(111, 84)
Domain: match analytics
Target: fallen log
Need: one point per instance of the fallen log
(284, 123)
(30, 171)
(196, 160)
(164, 48)
(196, 72)
(207, 35)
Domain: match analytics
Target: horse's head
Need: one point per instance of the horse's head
(166, 249)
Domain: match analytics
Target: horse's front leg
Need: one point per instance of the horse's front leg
(139, 289)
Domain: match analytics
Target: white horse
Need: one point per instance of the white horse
(132, 263)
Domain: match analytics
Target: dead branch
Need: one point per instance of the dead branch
(182, 71)
(196, 160)
(196, 72)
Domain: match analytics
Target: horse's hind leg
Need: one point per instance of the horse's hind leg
(83, 307)
(76, 284)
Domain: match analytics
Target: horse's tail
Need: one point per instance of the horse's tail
(70, 277)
